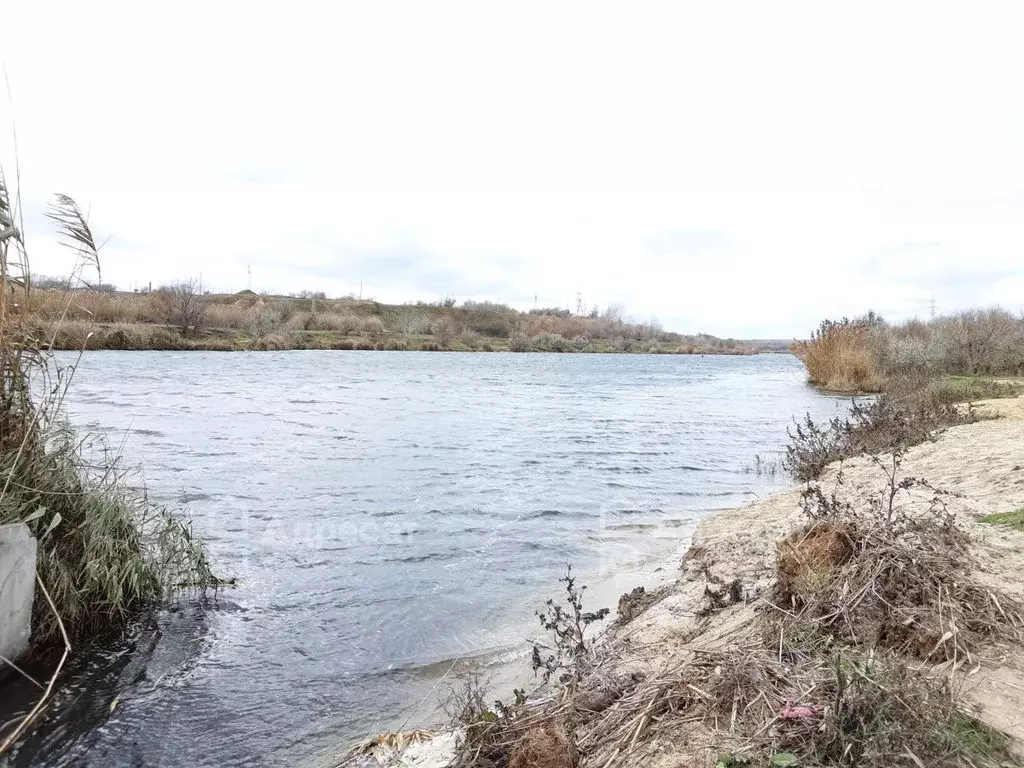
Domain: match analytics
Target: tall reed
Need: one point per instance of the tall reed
(839, 357)
(103, 549)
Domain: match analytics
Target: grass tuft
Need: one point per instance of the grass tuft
(1014, 519)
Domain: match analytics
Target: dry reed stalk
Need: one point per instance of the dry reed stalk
(101, 550)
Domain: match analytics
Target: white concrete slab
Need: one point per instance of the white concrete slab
(17, 590)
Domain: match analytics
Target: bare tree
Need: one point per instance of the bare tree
(407, 320)
(613, 314)
(186, 305)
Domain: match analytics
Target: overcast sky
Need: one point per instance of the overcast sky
(740, 169)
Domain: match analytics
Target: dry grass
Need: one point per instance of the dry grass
(790, 703)
(228, 315)
(77, 335)
(95, 306)
(840, 357)
(544, 746)
(883, 575)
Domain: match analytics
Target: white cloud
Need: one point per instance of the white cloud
(538, 147)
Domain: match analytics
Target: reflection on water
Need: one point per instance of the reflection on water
(384, 513)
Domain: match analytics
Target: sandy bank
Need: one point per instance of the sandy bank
(980, 467)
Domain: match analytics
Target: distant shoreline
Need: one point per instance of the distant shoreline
(137, 337)
(180, 317)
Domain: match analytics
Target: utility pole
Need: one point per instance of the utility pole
(248, 285)
(534, 299)
(933, 306)
(360, 290)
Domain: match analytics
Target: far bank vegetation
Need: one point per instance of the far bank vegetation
(867, 354)
(185, 316)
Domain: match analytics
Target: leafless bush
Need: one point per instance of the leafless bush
(882, 425)
(372, 325)
(444, 329)
(413, 322)
(568, 623)
(261, 321)
(186, 304)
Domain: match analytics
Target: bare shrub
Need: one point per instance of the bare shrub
(444, 330)
(551, 342)
(330, 321)
(882, 425)
(371, 325)
(567, 657)
(274, 342)
(186, 304)
(519, 342)
(413, 322)
(469, 339)
(981, 341)
(261, 321)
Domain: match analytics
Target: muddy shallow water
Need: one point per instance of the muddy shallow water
(386, 513)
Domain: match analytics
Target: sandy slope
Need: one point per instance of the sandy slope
(981, 465)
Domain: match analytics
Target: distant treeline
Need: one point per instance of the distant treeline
(182, 316)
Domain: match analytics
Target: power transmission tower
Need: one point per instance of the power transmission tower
(249, 283)
(932, 306)
(579, 304)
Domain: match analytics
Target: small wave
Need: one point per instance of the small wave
(428, 557)
(631, 527)
(547, 513)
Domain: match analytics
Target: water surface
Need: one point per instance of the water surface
(386, 513)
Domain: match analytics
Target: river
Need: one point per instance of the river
(384, 514)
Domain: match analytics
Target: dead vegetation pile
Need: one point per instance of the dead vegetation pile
(888, 578)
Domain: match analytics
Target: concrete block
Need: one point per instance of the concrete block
(17, 590)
